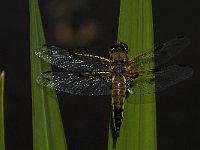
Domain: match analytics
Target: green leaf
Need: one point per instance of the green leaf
(48, 132)
(138, 131)
(2, 140)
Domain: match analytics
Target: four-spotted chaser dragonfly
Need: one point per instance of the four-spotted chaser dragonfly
(116, 76)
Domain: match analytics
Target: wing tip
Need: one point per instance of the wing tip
(185, 38)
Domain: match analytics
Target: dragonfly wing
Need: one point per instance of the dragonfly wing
(161, 55)
(72, 61)
(143, 61)
(159, 79)
(77, 84)
(140, 86)
(170, 49)
(143, 84)
(171, 75)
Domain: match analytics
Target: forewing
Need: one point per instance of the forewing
(159, 79)
(72, 61)
(143, 61)
(170, 49)
(161, 55)
(77, 84)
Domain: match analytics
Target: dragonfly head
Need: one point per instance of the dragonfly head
(119, 47)
(119, 51)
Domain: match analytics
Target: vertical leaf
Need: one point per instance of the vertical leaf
(2, 140)
(48, 132)
(138, 131)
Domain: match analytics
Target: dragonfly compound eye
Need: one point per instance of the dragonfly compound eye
(119, 46)
(114, 48)
(124, 47)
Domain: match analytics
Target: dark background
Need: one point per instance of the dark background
(177, 108)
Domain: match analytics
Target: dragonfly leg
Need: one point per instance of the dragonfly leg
(130, 62)
(132, 74)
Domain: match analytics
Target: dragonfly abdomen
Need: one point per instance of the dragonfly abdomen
(118, 97)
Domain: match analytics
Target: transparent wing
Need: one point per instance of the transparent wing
(72, 61)
(159, 79)
(77, 84)
(161, 55)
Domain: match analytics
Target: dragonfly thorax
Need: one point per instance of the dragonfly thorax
(118, 67)
(119, 56)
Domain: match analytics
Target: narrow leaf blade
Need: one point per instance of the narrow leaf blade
(48, 132)
(2, 136)
(138, 131)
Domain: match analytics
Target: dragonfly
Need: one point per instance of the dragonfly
(118, 76)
